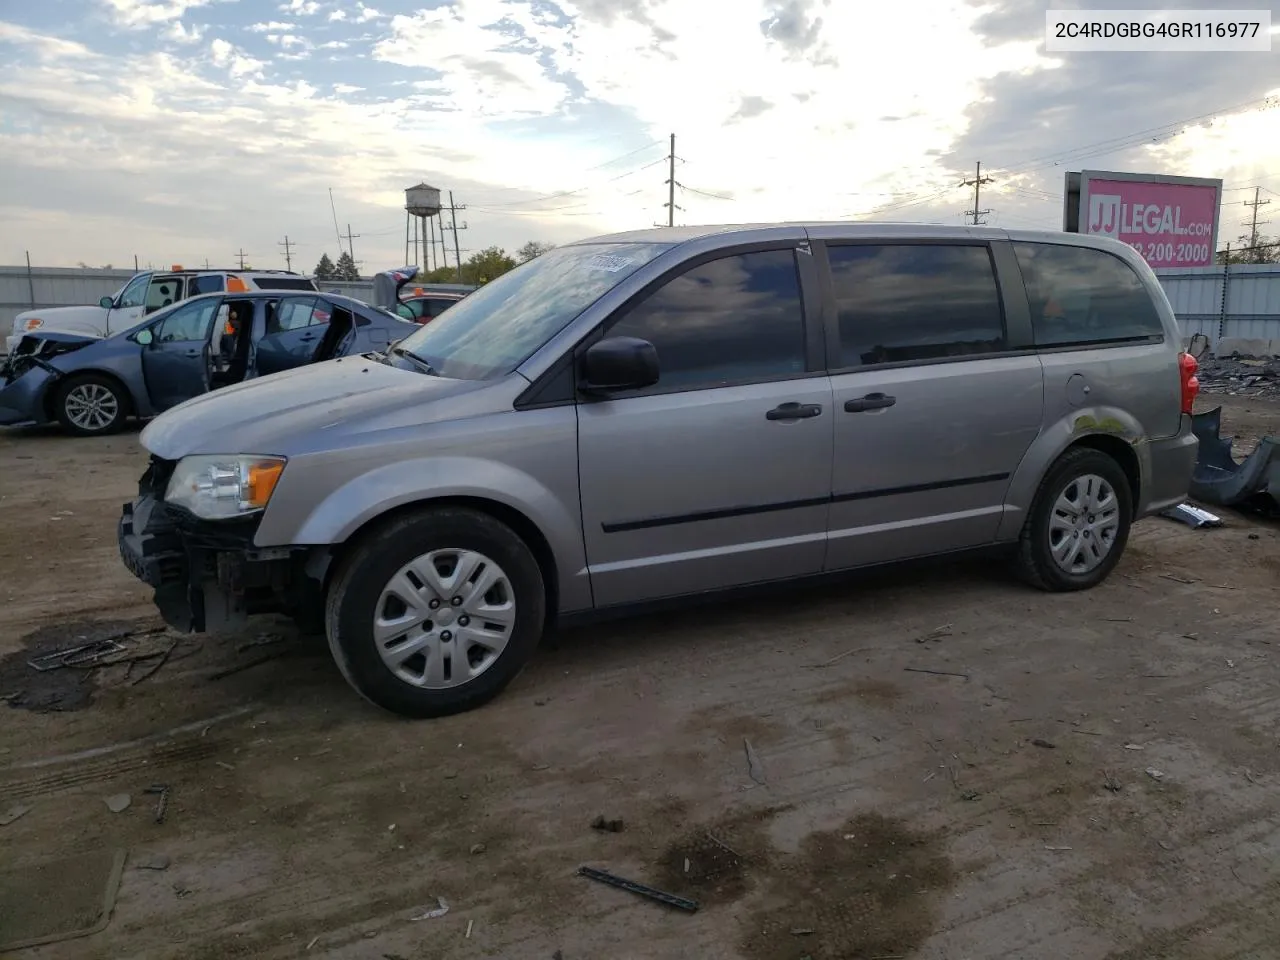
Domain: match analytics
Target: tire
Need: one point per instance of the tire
(91, 405)
(1035, 563)
(362, 588)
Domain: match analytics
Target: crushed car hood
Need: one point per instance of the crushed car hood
(293, 411)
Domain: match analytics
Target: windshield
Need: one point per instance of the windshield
(492, 331)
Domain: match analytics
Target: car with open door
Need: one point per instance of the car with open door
(92, 386)
(144, 294)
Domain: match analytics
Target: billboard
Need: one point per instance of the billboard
(1170, 221)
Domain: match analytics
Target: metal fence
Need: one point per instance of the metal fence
(1236, 307)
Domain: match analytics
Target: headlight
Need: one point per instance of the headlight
(35, 323)
(223, 487)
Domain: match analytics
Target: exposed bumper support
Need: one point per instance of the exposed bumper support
(208, 576)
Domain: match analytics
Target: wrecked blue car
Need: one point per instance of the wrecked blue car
(92, 386)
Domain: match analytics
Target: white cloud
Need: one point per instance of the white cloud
(271, 26)
(181, 34)
(342, 89)
(368, 13)
(303, 8)
(337, 15)
(334, 45)
(237, 64)
(139, 13)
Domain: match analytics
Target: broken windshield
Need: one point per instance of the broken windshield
(494, 330)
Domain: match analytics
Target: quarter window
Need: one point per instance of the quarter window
(209, 283)
(192, 321)
(739, 318)
(292, 314)
(909, 302)
(1079, 295)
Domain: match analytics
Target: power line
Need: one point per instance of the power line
(241, 256)
(350, 249)
(569, 193)
(288, 252)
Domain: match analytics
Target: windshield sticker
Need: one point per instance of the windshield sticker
(612, 264)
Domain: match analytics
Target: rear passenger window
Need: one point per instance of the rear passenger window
(292, 314)
(1079, 295)
(731, 320)
(905, 302)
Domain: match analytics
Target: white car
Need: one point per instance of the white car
(144, 294)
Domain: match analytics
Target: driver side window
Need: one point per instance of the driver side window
(135, 294)
(191, 322)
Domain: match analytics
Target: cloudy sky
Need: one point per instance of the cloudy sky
(185, 130)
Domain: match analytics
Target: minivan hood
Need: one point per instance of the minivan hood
(282, 413)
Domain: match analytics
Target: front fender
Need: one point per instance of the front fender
(23, 400)
(346, 509)
(1050, 444)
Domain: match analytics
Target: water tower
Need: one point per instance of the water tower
(422, 208)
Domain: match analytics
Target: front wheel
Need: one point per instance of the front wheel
(435, 612)
(91, 405)
(1078, 525)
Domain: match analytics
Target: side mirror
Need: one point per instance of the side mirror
(619, 363)
(106, 303)
(145, 336)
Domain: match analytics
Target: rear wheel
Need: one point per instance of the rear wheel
(436, 612)
(91, 405)
(1078, 525)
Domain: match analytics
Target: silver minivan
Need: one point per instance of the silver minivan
(667, 414)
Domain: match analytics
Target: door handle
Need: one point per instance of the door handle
(872, 401)
(794, 411)
(309, 336)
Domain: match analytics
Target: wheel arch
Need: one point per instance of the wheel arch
(54, 390)
(1118, 450)
(520, 523)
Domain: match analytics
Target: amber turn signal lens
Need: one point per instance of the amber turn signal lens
(262, 480)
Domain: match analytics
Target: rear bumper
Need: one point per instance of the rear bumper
(1171, 462)
(208, 576)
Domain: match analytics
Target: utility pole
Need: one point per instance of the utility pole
(241, 255)
(457, 250)
(135, 263)
(288, 252)
(350, 249)
(977, 182)
(671, 183)
(1253, 227)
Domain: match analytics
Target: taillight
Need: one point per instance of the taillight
(1187, 367)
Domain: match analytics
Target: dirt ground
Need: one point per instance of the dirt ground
(941, 763)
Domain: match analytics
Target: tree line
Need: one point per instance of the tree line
(477, 270)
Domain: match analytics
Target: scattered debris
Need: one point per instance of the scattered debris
(1169, 576)
(1037, 742)
(155, 667)
(725, 847)
(1221, 480)
(608, 826)
(16, 812)
(970, 795)
(937, 633)
(247, 665)
(118, 802)
(753, 762)
(1134, 746)
(162, 804)
(477, 848)
(1192, 516)
(937, 673)
(840, 656)
(441, 909)
(467, 935)
(81, 655)
(157, 861)
(670, 899)
(1155, 774)
(1056, 848)
(224, 765)
(181, 892)
(261, 640)
(803, 931)
(314, 941)
(1110, 782)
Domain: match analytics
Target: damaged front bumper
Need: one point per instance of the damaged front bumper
(22, 397)
(208, 575)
